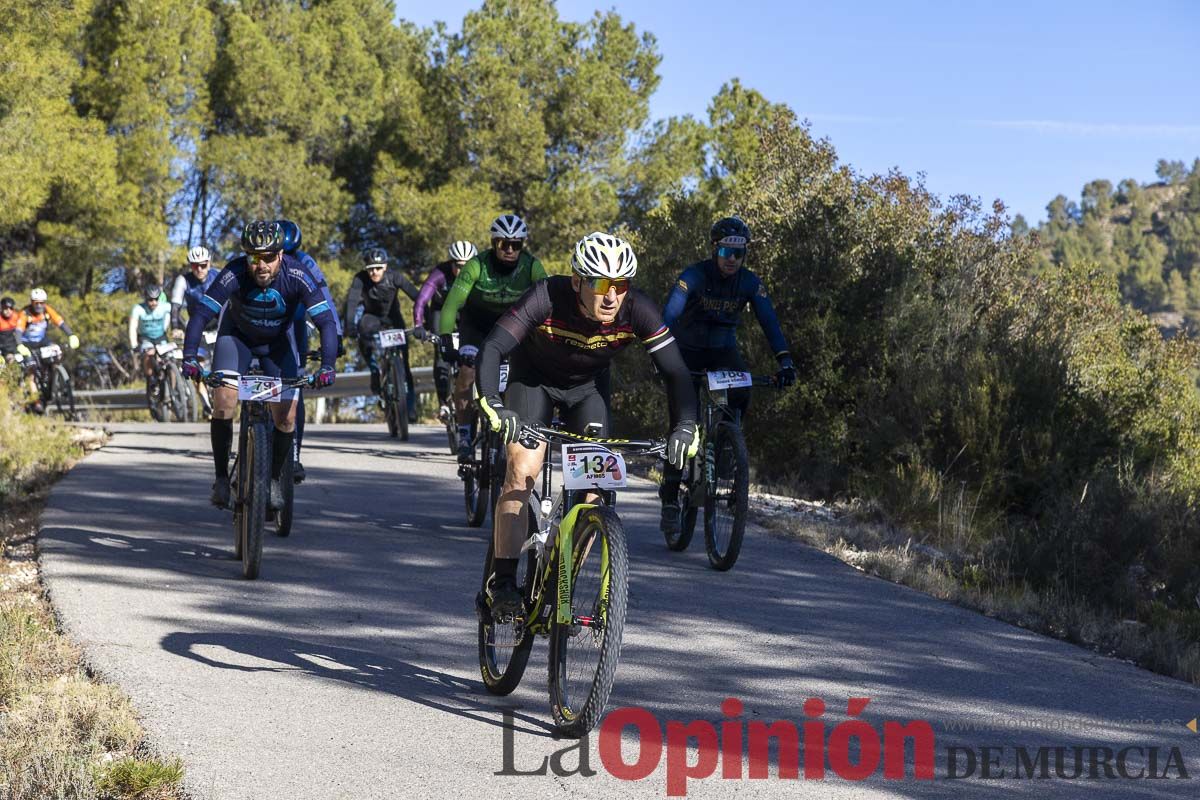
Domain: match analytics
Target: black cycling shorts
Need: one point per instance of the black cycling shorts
(578, 406)
(473, 329)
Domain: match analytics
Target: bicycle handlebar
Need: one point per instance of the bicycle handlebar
(214, 379)
(535, 433)
(757, 380)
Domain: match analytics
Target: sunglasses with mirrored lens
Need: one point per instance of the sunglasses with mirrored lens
(602, 285)
(511, 244)
(731, 252)
(262, 258)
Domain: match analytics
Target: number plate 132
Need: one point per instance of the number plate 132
(590, 466)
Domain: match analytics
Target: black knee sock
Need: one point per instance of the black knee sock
(505, 567)
(221, 433)
(281, 445)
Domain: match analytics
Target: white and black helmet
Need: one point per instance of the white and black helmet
(509, 226)
(462, 251)
(198, 255)
(37, 296)
(601, 255)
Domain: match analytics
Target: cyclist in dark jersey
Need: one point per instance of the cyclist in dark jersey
(560, 337)
(375, 286)
(256, 296)
(703, 310)
(485, 288)
(432, 297)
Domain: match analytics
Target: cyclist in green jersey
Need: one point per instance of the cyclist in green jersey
(485, 288)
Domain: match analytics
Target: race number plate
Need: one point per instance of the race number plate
(210, 337)
(392, 337)
(591, 466)
(503, 377)
(164, 347)
(262, 388)
(729, 379)
(50, 351)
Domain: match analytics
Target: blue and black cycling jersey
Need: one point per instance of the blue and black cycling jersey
(323, 285)
(704, 308)
(262, 315)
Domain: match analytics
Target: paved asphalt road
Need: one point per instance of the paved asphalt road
(348, 670)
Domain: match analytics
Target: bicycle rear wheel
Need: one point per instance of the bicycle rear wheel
(255, 496)
(504, 646)
(689, 505)
(728, 497)
(283, 517)
(584, 652)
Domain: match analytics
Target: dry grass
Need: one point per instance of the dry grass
(62, 733)
(1170, 645)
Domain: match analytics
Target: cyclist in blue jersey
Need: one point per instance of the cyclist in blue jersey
(257, 296)
(291, 246)
(148, 326)
(703, 311)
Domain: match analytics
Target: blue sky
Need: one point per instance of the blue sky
(1017, 100)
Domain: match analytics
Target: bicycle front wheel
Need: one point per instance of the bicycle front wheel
(399, 401)
(64, 394)
(255, 495)
(497, 465)
(475, 477)
(175, 390)
(584, 651)
(728, 497)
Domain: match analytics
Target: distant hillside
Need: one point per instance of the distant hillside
(1146, 235)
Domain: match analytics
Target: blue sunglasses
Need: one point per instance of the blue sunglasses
(731, 252)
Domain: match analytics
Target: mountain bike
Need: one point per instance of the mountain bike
(166, 389)
(483, 473)
(53, 382)
(394, 383)
(718, 479)
(250, 476)
(574, 578)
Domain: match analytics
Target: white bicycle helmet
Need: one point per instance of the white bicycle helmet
(37, 296)
(198, 255)
(601, 255)
(462, 251)
(509, 226)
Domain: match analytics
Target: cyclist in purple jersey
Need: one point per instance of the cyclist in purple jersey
(432, 296)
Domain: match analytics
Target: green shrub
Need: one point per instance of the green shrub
(1033, 421)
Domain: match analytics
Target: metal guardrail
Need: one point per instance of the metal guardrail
(349, 384)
